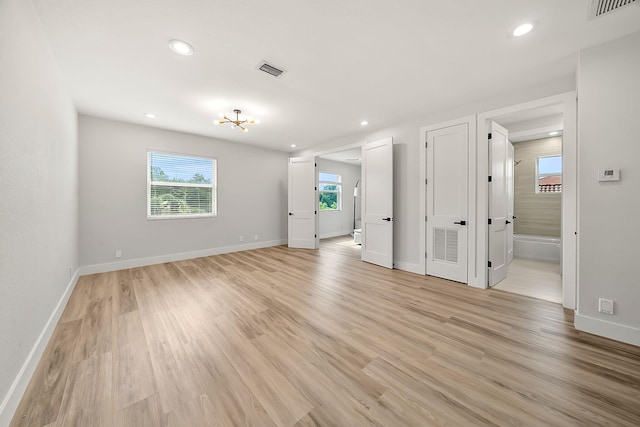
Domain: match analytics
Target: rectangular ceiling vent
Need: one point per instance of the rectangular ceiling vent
(601, 7)
(270, 69)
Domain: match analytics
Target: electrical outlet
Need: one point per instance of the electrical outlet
(118, 253)
(242, 238)
(605, 306)
(255, 237)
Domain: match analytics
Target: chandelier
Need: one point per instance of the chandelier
(237, 123)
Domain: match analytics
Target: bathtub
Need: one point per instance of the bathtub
(542, 248)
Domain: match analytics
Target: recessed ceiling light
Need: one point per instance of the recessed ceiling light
(181, 47)
(364, 123)
(522, 29)
(293, 145)
(150, 115)
(554, 133)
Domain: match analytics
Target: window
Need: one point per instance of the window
(330, 194)
(180, 186)
(549, 174)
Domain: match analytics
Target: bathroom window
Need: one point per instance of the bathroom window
(330, 194)
(549, 174)
(180, 186)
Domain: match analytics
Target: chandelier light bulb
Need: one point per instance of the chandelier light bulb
(245, 130)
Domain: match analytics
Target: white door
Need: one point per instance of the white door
(510, 201)
(498, 209)
(447, 202)
(303, 203)
(377, 202)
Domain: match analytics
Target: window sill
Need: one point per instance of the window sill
(160, 218)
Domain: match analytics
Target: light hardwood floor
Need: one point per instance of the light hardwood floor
(284, 337)
(533, 278)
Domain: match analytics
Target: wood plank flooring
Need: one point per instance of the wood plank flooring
(285, 337)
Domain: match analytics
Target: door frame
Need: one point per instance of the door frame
(569, 221)
(472, 222)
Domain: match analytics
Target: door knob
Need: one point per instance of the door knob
(461, 222)
(508, 222)
(386, 219)
(290, 213)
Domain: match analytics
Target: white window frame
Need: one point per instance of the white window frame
(544, 175)
(213, 186)
(338, 191)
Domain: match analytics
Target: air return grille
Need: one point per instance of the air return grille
(600, 7)
(270, 69)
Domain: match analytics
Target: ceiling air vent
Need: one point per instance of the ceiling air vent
(601, 7)
(270, 69)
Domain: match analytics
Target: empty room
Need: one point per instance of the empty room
(295, 213)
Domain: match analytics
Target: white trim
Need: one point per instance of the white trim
(569, 188)
(141, 262)
(472, 238)
(335, 233)
(17, 389)
(409, 266)
(604, 328)
(338, 149)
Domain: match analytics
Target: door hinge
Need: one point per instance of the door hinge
(425, 255)
(489, 136)
(425, 218)
(426, 182)
(426, 145)
(315, 212)
(315, 188)
(489, 264)
(315, 165)
(490, 178)
(316, 236)
(489, 221)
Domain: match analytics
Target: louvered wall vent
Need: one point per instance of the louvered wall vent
(270, 69)
(601, 7)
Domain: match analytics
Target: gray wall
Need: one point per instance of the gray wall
(335, 223)
(38, 195)
(538, 214)
(252, 194)
(609, 137)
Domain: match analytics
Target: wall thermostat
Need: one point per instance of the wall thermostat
(608, 174)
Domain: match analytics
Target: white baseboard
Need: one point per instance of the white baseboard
(15, 393)
(141, 262)
(408, 266)
(335, 234)
(604, 328)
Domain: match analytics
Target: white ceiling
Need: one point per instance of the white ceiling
(346, 61)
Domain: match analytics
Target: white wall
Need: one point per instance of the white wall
(252, 197)
(38, 198)
(609, 230)
(406, 168)
(338, 223)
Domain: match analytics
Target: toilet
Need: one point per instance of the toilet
(357, 233)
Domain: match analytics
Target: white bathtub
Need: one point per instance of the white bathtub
(542, 248)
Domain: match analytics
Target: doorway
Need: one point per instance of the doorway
(527, 259)
(340, 198)
(535, 114)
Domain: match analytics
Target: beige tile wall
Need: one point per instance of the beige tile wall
(537, 214)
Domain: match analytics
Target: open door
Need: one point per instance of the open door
(377, 202)
(303, 203)
(510, 200)
(498, 209)
(447, 202)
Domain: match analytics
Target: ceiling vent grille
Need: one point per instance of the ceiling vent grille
(270, 69)
(601, 7)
